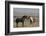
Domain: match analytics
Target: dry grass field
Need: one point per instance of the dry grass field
(27, 23)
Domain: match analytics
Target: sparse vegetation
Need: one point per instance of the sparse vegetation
(27, 23)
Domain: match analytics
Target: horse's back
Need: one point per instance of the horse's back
(19, 20)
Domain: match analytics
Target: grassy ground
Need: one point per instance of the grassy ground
(27, 23)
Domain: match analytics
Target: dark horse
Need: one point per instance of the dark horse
(20, 20)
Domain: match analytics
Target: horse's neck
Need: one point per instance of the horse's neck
(31, 17)
(22, 18)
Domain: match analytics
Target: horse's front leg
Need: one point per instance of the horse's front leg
(30, 21)
(22, 24)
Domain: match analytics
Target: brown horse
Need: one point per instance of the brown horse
(31, 19)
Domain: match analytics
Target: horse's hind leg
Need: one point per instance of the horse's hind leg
(17, 25)
(22, 24)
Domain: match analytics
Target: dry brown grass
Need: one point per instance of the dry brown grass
(27, 23)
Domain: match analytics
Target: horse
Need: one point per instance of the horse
(20, 20)
(31, 19)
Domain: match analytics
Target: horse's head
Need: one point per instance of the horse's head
(24, 17)
(28, 17)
